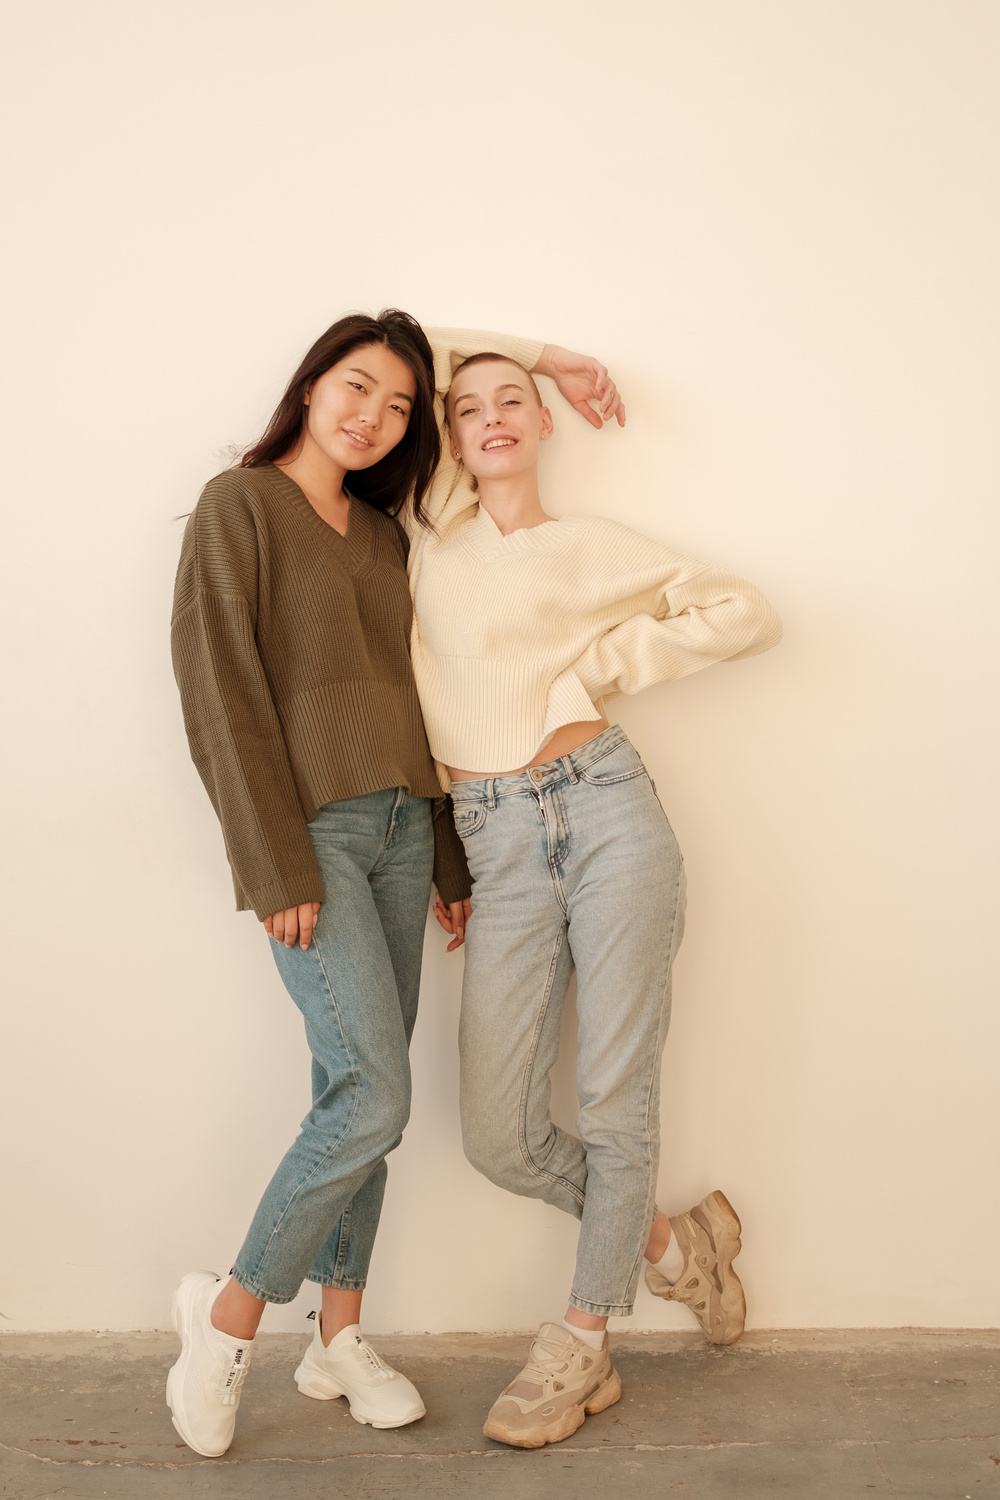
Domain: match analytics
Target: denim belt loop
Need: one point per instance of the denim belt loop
(566, 761)
(491, 793)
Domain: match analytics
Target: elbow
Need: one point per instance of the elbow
(771, 629)
(758, 630)
(766, 628)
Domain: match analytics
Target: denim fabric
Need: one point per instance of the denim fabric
(575, 865)
(356, 986)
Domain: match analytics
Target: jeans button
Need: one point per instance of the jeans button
(536, 773)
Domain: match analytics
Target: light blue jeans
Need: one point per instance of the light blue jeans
(356, 986)
(575, 865)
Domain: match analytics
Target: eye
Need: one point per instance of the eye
(468, 411)
(401, 409)
(512, 401)
(355, 386)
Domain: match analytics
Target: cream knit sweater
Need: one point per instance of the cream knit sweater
(515, 635)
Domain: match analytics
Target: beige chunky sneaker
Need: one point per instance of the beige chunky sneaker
(563, 1382)
(709, 1236)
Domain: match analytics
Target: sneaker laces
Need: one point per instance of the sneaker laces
(378, 1365)
(545, 1349)
(230, 1373)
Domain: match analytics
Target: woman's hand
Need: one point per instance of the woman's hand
(296, 922)
(581, 380)
(453, 919)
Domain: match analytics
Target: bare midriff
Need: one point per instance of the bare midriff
(568, 737)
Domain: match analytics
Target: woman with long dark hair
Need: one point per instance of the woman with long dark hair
(290, 637)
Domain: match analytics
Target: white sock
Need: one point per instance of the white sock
(592, 1336)
(671, 1262)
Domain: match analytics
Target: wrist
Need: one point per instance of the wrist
(543, 364)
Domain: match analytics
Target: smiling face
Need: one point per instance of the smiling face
(358, 410)
(496, 419)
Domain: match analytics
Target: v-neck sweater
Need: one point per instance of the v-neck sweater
(516, 635)
(290, 647)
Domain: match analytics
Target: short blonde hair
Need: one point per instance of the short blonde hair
(487, 359)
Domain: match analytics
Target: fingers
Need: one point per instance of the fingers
(296, 923)
(602, 389)
(442, 914)
(308, 914)
(459, 912)
(586, 410)
(610, 400)
(453, 917)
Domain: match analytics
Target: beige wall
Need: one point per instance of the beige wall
(776, 220)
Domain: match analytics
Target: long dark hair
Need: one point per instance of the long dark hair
(406, 470)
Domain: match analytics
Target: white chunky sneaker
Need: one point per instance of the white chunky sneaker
(203, 1387)
(348, 1366)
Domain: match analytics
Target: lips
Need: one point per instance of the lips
(357, 438)
(505, 442)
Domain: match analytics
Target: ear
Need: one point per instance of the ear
(548, 426)
(453, 449)
(308, 393)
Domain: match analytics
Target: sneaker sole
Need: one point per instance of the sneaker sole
(320, 1387)
(573, 1417)
(175, 1383)
(724, 1226)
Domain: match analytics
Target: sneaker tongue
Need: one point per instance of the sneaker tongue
(236, 1349)
(350, 1335)
(552, 1337)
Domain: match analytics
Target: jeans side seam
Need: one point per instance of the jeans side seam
(657, 1062)
(334, 1146)
(345, 1232)
(522, 1107)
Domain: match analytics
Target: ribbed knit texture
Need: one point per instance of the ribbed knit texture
(290, 651)
(514, 636)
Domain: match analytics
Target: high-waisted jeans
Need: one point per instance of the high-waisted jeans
(575, 865)
(356, 986)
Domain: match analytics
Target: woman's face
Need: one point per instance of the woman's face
(358, 410)
(496, 420)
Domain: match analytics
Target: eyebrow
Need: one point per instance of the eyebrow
(357, 370)
(510, 385)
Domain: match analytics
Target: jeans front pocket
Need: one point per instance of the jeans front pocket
(621, 763)
(469, 818)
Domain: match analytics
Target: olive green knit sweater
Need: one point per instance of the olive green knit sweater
(291, 651)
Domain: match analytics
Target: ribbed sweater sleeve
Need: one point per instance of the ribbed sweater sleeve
(232, 726)
(451, 868)
(692, 616)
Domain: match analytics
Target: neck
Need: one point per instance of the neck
(513, 504)
(314, 471)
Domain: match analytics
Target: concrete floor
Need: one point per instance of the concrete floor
(814, 1416)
